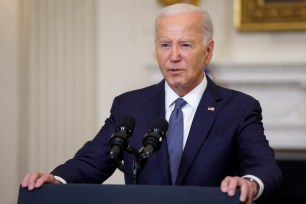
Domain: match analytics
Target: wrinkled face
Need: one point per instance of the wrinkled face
(181, 51)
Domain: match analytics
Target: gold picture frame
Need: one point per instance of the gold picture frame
(270, 15)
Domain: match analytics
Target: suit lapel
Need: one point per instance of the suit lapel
(155, 107)
(204, 118)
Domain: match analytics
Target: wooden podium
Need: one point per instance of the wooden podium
(124, 194)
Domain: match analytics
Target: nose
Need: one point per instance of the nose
(175, 54)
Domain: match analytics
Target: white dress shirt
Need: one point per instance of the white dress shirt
(193, 99)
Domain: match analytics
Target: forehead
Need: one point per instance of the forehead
(187, 25)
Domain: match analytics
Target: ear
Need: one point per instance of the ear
(209, 51)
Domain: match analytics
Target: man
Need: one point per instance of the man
(223, 136)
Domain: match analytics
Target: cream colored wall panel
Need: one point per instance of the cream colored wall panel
(62, 76)
(9, 100)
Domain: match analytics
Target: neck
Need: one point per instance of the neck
(184, 90)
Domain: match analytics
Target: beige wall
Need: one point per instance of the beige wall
(9, 100)
(125, 57)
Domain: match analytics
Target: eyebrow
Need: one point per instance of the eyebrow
(179, 41)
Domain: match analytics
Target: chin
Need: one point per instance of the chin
(176, 84)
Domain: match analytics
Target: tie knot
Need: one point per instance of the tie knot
(179, 103)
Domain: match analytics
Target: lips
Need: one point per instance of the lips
(175, 70)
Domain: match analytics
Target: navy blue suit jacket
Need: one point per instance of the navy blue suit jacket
(225, 141)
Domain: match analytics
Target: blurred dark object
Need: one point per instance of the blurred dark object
(293, 187)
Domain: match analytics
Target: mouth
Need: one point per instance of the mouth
(175, 70)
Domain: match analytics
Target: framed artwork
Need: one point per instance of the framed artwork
(270, 15)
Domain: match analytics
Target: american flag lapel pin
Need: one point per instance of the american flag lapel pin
(211, 108)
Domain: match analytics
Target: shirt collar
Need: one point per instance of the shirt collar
(192, 98)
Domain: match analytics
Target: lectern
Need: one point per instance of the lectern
(124, 194)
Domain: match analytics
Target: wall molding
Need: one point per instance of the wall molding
(281, 90)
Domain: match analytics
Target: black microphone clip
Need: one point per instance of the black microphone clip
(119, 139)
(152, 141)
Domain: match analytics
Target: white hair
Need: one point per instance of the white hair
(183, 8)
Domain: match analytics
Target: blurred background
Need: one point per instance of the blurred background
(63, 61)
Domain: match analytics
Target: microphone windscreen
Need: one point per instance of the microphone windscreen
(127, 121)
(160, 123)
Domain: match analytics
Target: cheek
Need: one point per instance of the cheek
(199, 60)
(191, 61)
(161, 57)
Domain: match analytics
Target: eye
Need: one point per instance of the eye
(165, 45)
(186, 45)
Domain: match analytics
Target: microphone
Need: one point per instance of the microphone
(119, 139)
(153, 138)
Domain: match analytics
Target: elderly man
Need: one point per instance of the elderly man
(215, 137)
